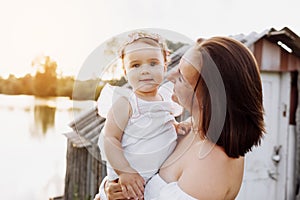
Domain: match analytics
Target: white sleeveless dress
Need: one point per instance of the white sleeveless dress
(149, 137)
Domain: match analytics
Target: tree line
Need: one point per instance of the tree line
(42, 85)
(46, 83)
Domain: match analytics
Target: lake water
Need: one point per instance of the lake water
(32, 147)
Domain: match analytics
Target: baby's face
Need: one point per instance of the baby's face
(144, 66)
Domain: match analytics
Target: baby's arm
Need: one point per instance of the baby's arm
(131, 181)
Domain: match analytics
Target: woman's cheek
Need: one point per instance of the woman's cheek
(179, 97)
(184, 96)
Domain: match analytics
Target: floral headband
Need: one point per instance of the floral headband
(141, 35)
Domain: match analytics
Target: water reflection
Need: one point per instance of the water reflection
(44, 117)
(31, 134)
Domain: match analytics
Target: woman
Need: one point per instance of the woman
(218, 82)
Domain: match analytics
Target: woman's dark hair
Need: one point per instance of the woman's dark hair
(243, 124)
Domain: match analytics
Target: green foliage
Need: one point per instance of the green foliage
(76, 191)
(85, 90)
(30, 86)
(76, 194)
(117, 82)
(45, 80)
(65, 86)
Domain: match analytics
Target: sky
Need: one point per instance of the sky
(70, 30)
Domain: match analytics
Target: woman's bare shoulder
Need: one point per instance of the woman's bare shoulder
(214, 176)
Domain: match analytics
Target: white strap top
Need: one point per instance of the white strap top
(158, 189)
(149, 137)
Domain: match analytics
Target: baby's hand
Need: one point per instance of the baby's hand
(183, 128)
(132, 185)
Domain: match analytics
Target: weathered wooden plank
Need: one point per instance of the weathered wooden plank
(83, 173)
(83, 118)
(77, 140)
(89, 127)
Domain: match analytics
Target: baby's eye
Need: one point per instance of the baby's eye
(153, 63)
(135, 65)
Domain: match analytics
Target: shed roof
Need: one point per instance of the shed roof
(284, 36)
(287, 37)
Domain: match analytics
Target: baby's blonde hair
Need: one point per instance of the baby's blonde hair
(145, 37)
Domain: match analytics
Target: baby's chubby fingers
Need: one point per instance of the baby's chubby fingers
(183, 128)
